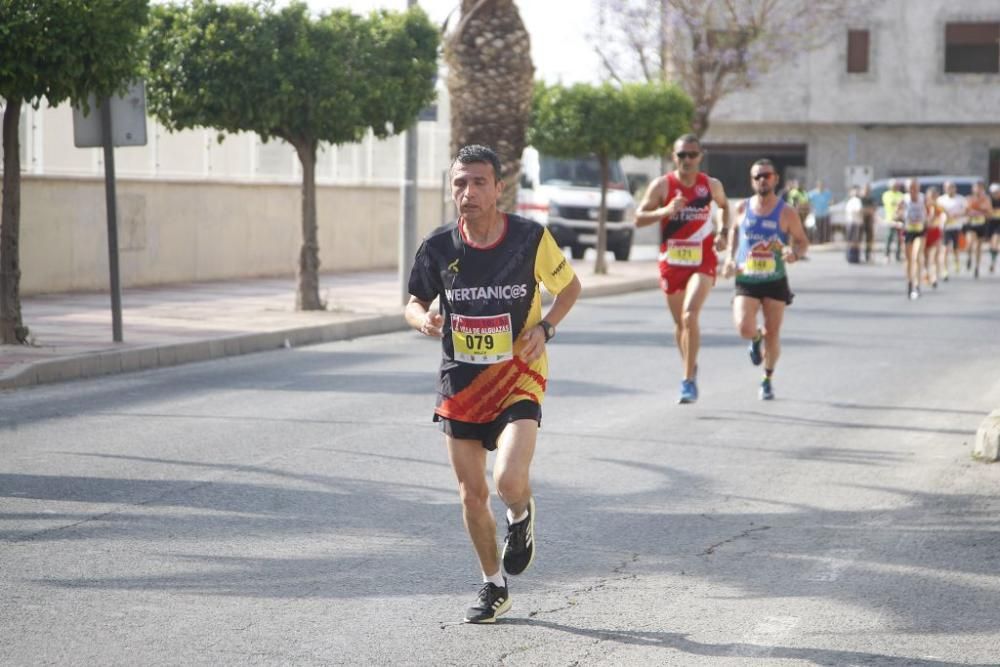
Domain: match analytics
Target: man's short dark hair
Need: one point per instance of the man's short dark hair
(763, 162)
(479, 153)
(688, 138)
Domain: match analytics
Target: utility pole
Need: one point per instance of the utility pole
(408, 226)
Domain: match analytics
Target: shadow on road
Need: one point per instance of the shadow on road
(679, 642)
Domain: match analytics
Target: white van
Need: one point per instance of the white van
(565, 195)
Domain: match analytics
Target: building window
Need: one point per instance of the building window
(972, 48)
(857, 51)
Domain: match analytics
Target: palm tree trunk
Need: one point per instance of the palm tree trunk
(307, 297)
(490, 84)
(12, 330)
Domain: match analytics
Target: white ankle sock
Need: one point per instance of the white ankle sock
(496, 579)
(516, 519)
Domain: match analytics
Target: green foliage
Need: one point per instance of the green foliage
(68, 49)
(284, 73)
(608, 121)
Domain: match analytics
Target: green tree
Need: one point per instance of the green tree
(284, 73)
(608, 122)
(56, 50)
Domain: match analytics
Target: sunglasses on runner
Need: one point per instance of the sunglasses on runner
(687, 155)
(763, 175)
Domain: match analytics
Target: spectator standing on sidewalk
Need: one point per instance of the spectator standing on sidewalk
(485, 270)
(868, 207)
(853, 211)
(819, 201)
(797, 198)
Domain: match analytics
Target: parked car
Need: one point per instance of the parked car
(963, 186)
(565, 195)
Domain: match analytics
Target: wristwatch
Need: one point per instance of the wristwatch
(549, 330)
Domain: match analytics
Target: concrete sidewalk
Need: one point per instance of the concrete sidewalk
(165, 326)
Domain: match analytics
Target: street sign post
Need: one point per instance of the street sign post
(119, 121)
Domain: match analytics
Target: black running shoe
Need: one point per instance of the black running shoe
(493, 600)
(754, 350)
(519, 547)
(766, 391)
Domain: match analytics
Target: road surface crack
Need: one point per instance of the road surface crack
(746, 533)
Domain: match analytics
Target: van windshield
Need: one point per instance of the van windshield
(579, 172)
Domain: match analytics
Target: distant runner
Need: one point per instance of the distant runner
(954, 206)
(933, 255)
(994, 227)
(913, 212)
(980, 211)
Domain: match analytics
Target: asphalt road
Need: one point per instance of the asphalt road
(297, 507)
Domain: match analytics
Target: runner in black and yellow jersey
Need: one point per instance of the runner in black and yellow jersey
(767, 235)
(485, 269)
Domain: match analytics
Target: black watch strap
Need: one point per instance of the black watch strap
(549, 330)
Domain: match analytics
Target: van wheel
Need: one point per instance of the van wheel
(577, 251)
(622, 252)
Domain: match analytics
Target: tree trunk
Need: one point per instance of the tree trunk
(490, 83)
(699, 124)
(601, 263)
(308, 294)
(12, 330)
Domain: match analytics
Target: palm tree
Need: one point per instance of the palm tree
(490, 81)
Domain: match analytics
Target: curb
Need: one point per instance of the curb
(111, 362)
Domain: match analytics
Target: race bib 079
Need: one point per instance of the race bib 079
(482, 340)
(683, 253)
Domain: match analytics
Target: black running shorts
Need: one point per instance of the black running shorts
(982, 231)
(772, 289)
(489, 432)
(910, 237)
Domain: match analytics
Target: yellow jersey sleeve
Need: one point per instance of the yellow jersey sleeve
(552, 269)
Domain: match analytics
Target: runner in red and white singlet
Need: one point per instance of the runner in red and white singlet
(681, 202)
(687, 239)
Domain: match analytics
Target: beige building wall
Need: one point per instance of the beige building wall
(182, 231)
(194, 205)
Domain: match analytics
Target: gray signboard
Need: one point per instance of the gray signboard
(128, 120)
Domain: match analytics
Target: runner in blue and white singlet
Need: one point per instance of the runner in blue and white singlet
(767, 236)
(759, 254)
